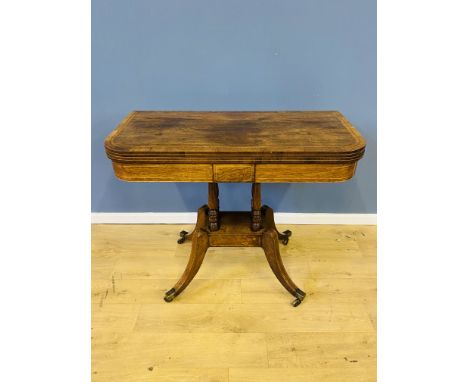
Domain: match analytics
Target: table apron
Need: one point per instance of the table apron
(236, 173)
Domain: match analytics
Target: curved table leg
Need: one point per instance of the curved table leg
(199, 248)
(282, 236)
(200, 224)
(271, 247)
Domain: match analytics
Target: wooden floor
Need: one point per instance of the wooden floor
(234, 322)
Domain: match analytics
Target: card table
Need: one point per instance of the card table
(224, 147)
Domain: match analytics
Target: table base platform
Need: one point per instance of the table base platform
(235, 229)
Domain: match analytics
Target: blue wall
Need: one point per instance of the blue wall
(233, 55)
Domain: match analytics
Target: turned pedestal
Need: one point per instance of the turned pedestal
(216, 228)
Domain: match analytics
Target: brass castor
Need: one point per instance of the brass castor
(183, 236)
(300, 295)
(284, 237)
(296, 302)
(170, 295)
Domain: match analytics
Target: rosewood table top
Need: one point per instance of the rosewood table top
(289, 146)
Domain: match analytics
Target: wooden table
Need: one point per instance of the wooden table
(252, 147)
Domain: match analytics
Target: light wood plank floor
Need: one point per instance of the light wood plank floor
(234, 322)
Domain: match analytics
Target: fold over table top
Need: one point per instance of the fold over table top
(234, 146)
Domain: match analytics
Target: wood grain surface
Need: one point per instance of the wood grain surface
(234, 325)
(235, 137)
(241, 173)
(233, 173)
(293, 146)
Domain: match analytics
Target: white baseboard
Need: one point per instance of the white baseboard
(190, 218)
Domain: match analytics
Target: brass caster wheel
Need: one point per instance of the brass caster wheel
(300, 295)
(296, 302)
(170, 295)
(284, 236)
(183, 236)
